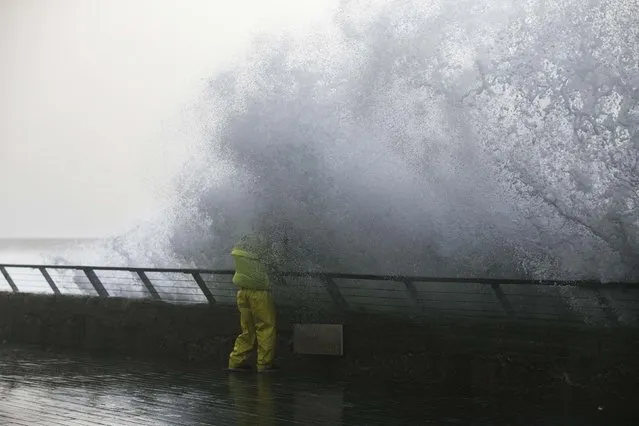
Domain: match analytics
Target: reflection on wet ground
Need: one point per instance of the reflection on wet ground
(39, 388)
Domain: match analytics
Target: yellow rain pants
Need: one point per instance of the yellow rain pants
(257, 321)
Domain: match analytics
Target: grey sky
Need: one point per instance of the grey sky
(93, 95)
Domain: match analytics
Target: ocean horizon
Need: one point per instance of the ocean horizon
(37, 250)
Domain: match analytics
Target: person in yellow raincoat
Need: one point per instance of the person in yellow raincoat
(255, 265)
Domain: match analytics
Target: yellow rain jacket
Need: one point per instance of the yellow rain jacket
(254, 262)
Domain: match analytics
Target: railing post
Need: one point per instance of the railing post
(149, 286)
(95, 281)
(334, 292)
(503, 300)
(412, 293)
(7, 277)
(200, 282)
(47, 277)
(605, 306)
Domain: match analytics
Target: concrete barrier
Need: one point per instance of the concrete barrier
(469, 355)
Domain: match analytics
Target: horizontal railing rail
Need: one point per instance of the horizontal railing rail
(417, 292)
(337, 275)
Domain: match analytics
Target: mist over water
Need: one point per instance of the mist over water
(458, 138)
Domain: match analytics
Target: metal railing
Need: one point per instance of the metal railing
(524, 299)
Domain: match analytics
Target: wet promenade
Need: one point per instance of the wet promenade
(40, 388)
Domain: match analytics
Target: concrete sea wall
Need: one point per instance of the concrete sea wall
(465, 354)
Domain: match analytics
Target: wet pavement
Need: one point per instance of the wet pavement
(42, 388)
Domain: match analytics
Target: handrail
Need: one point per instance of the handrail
(349, 276)
(594, 288)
